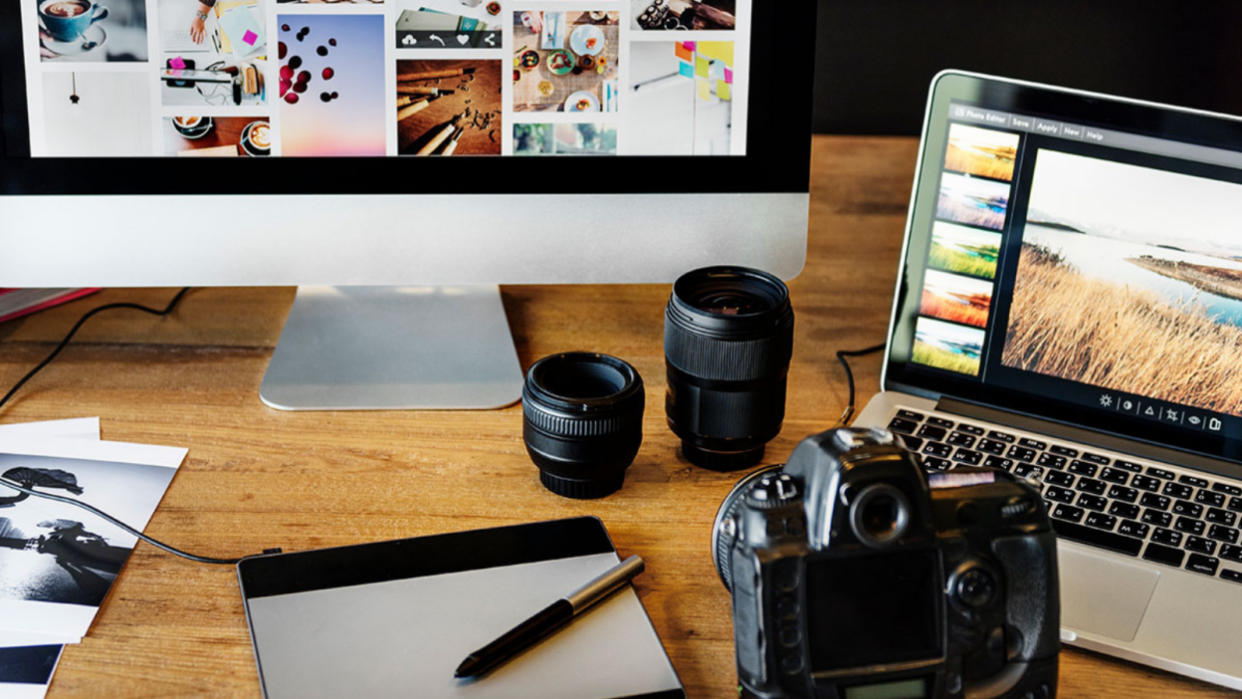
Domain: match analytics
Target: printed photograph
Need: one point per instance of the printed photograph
(956, 298)
(973, 201)
(1126, 271)
(449, 24)
(566, 62)
(93, 114)
(693, 15)
(219, 62)
(964, 250)
(947, 346)
(981, 152)
(24, 669)
(449, 107)
(53, 552)
(86, 31)
(216, 137)
(681, 99)
(332, 85)
(564, 139)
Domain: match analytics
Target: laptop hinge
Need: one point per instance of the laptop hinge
(1112, 442)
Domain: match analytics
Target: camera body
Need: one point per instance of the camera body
(853, 577)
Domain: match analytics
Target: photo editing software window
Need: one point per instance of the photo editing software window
(370, 78)
(1100, 266)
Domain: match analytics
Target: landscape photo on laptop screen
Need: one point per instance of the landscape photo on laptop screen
(1099, 266)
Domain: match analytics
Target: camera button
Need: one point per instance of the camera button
(791, 664)
(790, 636)
(976, 588)
(788, 608)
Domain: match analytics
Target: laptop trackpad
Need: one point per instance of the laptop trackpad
(1103, 596)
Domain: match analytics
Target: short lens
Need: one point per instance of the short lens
(880, 515)
(728, 340)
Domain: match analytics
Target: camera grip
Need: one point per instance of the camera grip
(1032, 593)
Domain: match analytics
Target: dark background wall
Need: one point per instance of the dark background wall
(876, 58)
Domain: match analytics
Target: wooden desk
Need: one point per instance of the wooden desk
(257, 478)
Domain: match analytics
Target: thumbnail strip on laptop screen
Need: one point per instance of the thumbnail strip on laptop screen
(1077, 258)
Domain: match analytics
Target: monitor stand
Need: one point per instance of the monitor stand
(394, 348)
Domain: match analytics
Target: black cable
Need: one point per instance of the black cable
(65, 342)
(849, 378)
(100, 513)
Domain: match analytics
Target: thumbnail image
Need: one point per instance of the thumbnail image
(947, 346)
(332, 85)
(97, 114)
(333, 2)
(80, 31)
(441, 24)
(229, 137)
(973, 201)
(449, 107)
(981, 152)
(956, 298)
(564, 139)
(566, 61)
(681, 100)
(219, 62)
(1125, 272)
(25, 671)
(964, 250)
(695, 15)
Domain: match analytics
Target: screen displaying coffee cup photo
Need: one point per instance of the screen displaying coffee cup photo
(87, 31)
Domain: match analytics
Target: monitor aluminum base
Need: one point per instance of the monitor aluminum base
(394, 348)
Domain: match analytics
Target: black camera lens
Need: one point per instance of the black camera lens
(880, 515)
(582, 422)
(728, 339)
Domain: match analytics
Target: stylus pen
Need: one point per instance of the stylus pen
(554, 616)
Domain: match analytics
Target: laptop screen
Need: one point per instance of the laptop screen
(1077, 258)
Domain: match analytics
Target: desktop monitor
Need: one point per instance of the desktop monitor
(397, 160)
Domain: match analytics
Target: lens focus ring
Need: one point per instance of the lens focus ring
(714, 359)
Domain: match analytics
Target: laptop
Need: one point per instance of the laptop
(1069, 309)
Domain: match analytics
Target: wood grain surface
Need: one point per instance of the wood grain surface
(257, 478)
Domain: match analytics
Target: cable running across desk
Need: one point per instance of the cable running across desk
(849, 378)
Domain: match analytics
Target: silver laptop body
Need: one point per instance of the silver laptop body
(1055, 197)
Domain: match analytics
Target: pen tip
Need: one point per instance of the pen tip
(468, 668)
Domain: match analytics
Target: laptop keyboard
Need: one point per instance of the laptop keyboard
(1124, 506)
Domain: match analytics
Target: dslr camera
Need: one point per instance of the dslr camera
(854, 576)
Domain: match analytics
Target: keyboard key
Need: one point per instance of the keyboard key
(1133, 529)
(1216, 516)
(1207, 497)
(992, 446)
(1227, 489)
(1122, 493)
(1160, 519)
(1060, 478)
(970, 429)
(1146, 483)
(1200, 545)
(1225, 534)
(1187, 509)
(958, 439)
(1068, 512)
(1022, 454)
(1202, 564)
(933, 433)
(1164, 554)
(1036, 444)
(966, 456)
(1102, 521)
(1167, 537)
(1178, 490)
(911, 443)
(910, 415)
(1161, 473)
(1059, 494)
(1193, 480)
(1188, 525)
(932, 463)
(1235, 504)
(1114, 475)
(1095, 459)
(903, 425)
(1082, 469)
(1128, 466)
(1002, 437)
(1093, 502)
(998, 462)
(1231, 575)
(1156, 502)
(1094, 487)
(937, 449)
(1233, 553)
(1028, 471)
(1051, 461)
(1123, 510)
(1063, 451)
(940, 422)
(1094, 537)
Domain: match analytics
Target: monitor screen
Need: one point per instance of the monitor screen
(369, 79)
(1078, 258)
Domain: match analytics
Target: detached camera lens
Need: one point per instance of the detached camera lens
(728, 339)
(583, 416)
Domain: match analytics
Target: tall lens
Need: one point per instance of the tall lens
(728, 339)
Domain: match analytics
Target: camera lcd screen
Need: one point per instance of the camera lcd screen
(873, 609)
